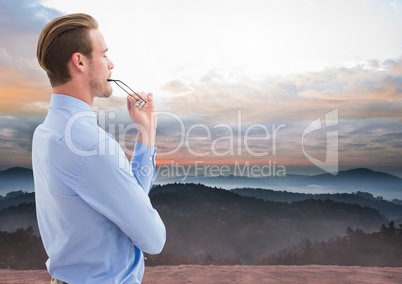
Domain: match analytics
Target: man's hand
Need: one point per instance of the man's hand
(144, 119)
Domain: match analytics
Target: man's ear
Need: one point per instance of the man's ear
(78, 61)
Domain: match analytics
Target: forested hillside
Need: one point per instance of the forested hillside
(389, 209)
(203, 221)
(382, 248)
(210, 225)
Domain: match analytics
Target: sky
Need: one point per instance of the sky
(306, 86)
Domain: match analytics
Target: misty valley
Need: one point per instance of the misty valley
(211, 225)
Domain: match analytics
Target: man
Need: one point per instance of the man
(93, 209)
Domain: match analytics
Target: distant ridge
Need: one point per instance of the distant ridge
(15, 179)
(16, 171)
(391, 210)
(347, 181)
(361, 173)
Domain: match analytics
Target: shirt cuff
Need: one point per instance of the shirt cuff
(143, 165)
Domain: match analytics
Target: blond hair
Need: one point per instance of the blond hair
(59, 39)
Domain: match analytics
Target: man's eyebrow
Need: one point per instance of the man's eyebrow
(106, 50)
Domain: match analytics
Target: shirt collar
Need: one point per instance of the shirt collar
(74, 105)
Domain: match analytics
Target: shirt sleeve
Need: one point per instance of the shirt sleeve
(143, 165)
(107, 185)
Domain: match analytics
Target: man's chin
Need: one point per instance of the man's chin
(105, 95)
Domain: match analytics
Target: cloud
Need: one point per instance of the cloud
(22, 82)
(367, 97)
(367, 94)
(16, 140)
(20, 25)
(362, 91)
(23, 21)
(372, 142)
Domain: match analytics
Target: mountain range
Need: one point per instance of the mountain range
(204, 222)
(209, 224)
(360, 179)
(16, 179)
(391, 210)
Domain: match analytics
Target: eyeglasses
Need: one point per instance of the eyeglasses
(139, 103)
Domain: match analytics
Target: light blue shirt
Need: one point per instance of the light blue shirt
(94, 214)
